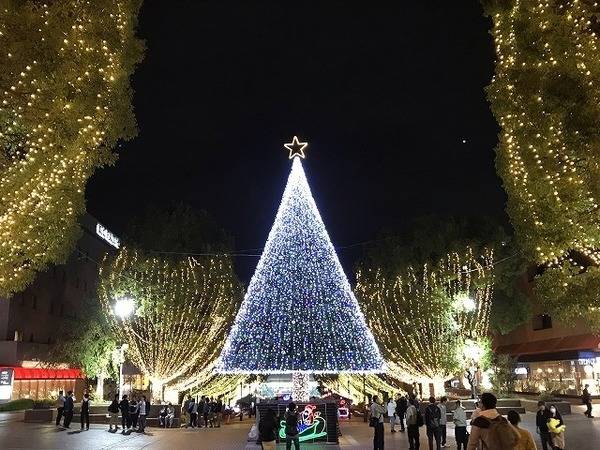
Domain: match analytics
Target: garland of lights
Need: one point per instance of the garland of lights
(298, 297)
(545, 95)
(65, 100)
(180, 314)
(422, 319)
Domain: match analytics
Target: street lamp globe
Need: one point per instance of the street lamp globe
(124, 307)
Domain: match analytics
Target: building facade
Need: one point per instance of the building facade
(30, 320)
(554, 357)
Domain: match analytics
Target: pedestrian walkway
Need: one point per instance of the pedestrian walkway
(582, 434)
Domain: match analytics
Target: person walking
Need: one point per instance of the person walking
(490, 430)
(432, 424)
(60, 407)
(144, 411)
(459, 417)
(526, 441)
(68, 409)
(113, 409)
(443, 419)
(541, 423)
(391, 412)
(413, 423)
(267, 430)
(85, 411)
(291, 427)
(557, 428)
(377, 414)
(124, 408)
(401, 406)
(586, 399)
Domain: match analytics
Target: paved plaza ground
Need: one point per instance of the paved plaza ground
(582, 434)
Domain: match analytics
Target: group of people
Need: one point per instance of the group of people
(66, 407)
(489, 429)
(268, 428)
(207, 410)
(133, 413)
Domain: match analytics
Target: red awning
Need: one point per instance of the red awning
(26, 373)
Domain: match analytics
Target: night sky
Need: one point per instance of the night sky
(385, 98)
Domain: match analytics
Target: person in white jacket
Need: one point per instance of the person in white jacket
(391, 412)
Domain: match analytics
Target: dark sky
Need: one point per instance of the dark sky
(384, 95)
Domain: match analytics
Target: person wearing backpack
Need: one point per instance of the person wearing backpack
(414, 420)
(432, 423)
(490, 429)
(291, 427)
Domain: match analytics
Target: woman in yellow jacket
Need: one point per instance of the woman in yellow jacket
(526, 441)
(557, 427)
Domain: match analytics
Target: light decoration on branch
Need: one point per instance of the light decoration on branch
(65, 101)
(300, 387)
(297, 298)
(181, 314)
(545, 95)
(421, 318)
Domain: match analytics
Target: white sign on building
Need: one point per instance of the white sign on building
(107, 235)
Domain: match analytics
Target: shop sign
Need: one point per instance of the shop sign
(105, 234)
(6, 380)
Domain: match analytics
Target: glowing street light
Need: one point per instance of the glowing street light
(124, 307)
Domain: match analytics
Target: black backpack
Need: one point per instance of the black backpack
(433, 415)
(291, 424)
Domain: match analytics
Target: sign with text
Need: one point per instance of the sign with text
(6, 380)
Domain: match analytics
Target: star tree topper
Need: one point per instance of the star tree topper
(296, 148)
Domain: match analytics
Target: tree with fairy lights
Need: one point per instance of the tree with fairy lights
(545, 95)
(65, 101)
(426, 320)
(289, 319)
(173, 314)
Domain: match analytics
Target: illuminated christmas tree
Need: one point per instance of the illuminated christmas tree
(299, 314)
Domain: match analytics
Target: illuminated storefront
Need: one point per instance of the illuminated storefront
(38, 383)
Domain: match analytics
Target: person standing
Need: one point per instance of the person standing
(541, 423)
(586, 399)
(85, 411)
(557, 427)
(443, 419)
(490, 429)
(134, 412)
(291, 427)
(144, 411)
(432, 423)
(219, 417)
(267, 430)
(391, 412)
(193, 408)
(525, 438)
(60, 407)
(401, 406)
(459, 417)
(113, 409)
(412, 424)
(377, 413)
(124, 408)
(68, 411)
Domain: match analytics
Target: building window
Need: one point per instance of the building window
(34, 304)
(542, 322)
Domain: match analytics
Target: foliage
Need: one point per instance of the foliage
(503, 377)
(183, 308)
(17, 405)
(422, 318)
(428, 239)
(86, 342)
(65, 101)
(545, 95)
(177, 228)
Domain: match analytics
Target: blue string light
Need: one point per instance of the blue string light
(299, 313)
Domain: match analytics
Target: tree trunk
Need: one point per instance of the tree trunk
(100, 386)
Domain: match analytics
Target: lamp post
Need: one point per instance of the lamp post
(123, 308)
